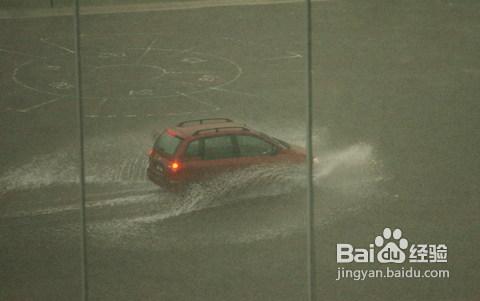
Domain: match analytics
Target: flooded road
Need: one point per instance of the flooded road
(395, 140)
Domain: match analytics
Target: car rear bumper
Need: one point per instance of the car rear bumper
(159, 178)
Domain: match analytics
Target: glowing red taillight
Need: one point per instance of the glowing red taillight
(174, 166)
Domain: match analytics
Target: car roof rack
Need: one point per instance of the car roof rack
(217, 129)
(201, 121)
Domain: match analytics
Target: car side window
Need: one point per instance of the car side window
(193, 149)
(251, 146)
(219, 148)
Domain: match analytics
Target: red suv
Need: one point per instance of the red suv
(196, 150)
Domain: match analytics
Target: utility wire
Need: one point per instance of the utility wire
(311, 272)
(83, 240)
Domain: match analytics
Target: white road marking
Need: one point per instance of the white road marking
(201, 89)
(154, 48)
(17, 81)
(179, 113)
(21, 53)
(234, 92)
(237, 66)
(147, 50)
(46, 41)
(99, 114)
(105, 55)
(53, 67)
(291, 55)
(185, 72)
(207, 78)
(61, 85)
(144, 92)
(193, 60)
(28, 109)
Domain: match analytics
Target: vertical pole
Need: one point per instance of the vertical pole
(79, 96)
(311, 272)
(51, 3)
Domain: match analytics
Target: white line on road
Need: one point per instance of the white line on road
(28, 109)
(46, 41)
(147, 50)
(234, 92)
(292, 55)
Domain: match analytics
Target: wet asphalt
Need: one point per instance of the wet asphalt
(395, 131)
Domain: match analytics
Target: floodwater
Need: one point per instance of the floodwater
(395, 140)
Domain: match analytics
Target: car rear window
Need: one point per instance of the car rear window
(166, 144)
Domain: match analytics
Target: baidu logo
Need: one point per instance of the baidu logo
(391, 247)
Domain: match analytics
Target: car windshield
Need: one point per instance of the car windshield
(283, 143)
(166, 144)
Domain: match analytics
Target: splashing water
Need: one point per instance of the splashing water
(350, 174)
(351, 171)
(126, 166)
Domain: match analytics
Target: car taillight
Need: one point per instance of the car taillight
(174, 166)
(171, 133)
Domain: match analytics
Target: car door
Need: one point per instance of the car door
(254, 150)
(193, 161)
(210, 156)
